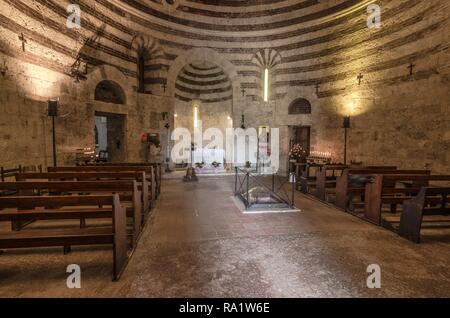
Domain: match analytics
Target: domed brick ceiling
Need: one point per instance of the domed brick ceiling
(318, 42)
(206, 82)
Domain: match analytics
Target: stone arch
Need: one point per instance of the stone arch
(148, 54)
(199, 55)
(110, 92)
(109, 73)
(300, 106)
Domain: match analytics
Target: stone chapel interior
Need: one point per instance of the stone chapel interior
(349, 164)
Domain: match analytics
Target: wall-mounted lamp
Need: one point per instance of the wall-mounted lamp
(3, 69)
(346, 126)
(293, 182)
(243, 121)
(53, 113)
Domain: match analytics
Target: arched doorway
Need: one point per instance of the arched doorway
(110, 128)
(110, 92)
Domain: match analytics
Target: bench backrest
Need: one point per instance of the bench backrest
(386, 185)
(141, 177)
(423, 204)
(344, 186)
(149, 170)
(119, 217)
(31, 202)
(323, 176)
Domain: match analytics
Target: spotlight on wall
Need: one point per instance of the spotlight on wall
(176, 115)
(3, 69)
(346, 126)
(53, 113)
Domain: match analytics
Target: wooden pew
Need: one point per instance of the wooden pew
(116, 235)
(9, 173)
(384, 189)
(352, 182)
(308, 178)
(424, 204)
(157, 169)
(326, 183)
(128, 191)
(149, 170)
(141, 177)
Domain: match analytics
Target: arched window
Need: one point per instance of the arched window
(300, 106)
(142, 58)
(110, 92)
(267, 61)
(151, 65)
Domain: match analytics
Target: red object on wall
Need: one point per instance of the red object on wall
(144, 137)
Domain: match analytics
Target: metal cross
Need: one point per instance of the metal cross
(317, 88)
(411, 68)
(24, 41)
(243, 91)
(360, 77)
(164, 87)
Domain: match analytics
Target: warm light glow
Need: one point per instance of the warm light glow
(355, 104)
(266, 85)
(176, 115)
(195, 116)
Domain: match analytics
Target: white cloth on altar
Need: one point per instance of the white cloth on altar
(208, 155)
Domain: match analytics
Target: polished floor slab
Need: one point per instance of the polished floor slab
(198, 244)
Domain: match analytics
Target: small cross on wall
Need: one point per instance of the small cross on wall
(317, 88)
(411, 68)
(243, 91)
(360, 77)
(164, 85)
(23, 40)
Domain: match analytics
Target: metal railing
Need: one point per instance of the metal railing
(274, 184)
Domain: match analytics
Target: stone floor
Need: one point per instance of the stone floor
(198, 244)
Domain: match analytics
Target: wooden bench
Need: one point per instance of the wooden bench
(308, 177)
(143, 182)
(325, 181)
(149, 171)
(424, 204)
(327, 175)
(9, 173)
(116, 235)
(393, 190)
(156, 166)
(352, 183)
(130, 197)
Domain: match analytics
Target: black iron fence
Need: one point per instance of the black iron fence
(279, 191)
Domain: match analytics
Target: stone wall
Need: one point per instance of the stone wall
(313, 50)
